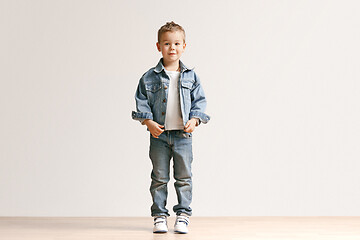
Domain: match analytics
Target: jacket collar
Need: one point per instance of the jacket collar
(159, 67)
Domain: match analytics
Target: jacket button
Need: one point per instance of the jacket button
(163, 113)
(165, 87)
(164, 100)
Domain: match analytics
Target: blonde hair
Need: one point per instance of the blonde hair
(170, 27)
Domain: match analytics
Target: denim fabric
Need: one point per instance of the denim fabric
(152, 91)
(175, 144)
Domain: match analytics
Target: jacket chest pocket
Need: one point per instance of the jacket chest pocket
(186, 86)
(154, 92)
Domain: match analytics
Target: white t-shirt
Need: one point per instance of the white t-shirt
(173, 119)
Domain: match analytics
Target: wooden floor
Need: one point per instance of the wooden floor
(219, 228)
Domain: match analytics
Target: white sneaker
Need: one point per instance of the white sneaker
(160, 225)
(181, 223)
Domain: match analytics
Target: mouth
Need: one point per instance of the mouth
(172, 53)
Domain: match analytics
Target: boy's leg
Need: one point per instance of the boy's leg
(183, 157)
(160, 155)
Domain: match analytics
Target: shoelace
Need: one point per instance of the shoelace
(182, 219)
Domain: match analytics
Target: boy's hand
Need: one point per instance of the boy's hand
(190, 125)
(154, 128)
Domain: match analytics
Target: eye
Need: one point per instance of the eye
(177, 43)
(166, 43)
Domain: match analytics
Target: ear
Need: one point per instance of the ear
(158, 47)
(184, 46)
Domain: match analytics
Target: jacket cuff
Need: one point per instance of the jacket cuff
(141, 116)
(204, 118)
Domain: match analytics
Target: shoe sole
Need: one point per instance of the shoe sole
(160, 231)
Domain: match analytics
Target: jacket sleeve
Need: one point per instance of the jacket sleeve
(198, 102)
(143, 110)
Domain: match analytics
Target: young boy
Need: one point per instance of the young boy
(170, 102)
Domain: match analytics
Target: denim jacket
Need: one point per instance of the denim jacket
(152, 91)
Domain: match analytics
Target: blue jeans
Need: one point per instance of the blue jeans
(175, 144)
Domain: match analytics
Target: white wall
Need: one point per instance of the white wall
(282, 82)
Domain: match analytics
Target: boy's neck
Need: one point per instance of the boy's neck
(172, 66)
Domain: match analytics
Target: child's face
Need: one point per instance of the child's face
(171, 46)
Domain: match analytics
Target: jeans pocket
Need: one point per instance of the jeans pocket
(185, 134)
